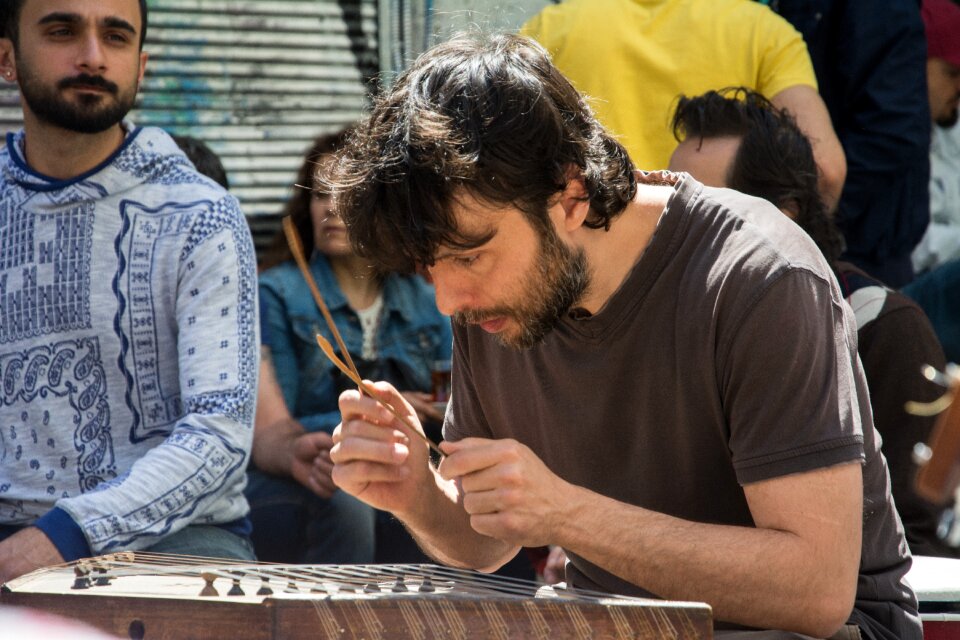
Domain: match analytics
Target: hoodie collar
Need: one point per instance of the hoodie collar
(144, 154)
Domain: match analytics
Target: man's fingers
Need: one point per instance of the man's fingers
(470, 455)
(355, 405)
(488, 501)
(367, 431)
(353, 477)
(369, 449)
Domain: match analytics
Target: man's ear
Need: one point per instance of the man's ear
(574, 198)
(143, 66)
(8, 60)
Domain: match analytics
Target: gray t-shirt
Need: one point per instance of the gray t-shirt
(713, 366)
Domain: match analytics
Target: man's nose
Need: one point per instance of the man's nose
(91, 56)
(451, 296)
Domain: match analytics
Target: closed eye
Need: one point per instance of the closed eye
(464, 261)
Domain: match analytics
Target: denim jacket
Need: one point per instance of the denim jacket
(412, 334)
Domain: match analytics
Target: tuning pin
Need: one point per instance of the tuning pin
(235, 590)
(103, 579)
(208, 589)
(82, 577)
(400, 586)
(921, 454)
(264, 589)
(933, 375)
(426, 586)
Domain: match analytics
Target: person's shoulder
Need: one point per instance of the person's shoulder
(154, 157)
(555, 21)
(281, 277)
(752, 16)
(750, 9)
(757, 235)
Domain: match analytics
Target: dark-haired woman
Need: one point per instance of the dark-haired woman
(390, 325)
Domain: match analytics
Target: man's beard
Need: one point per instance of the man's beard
(92, 113)
(558, 281)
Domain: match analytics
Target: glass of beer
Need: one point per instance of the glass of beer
(440, 380)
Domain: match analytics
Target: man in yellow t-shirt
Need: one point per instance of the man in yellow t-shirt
(634, 57)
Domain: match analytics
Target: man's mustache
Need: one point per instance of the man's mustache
(84, 80)
(473, 316)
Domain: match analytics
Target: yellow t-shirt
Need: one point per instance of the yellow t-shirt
(635, 57)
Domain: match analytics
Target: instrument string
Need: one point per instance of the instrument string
(369, 580)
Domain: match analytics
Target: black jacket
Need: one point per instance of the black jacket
(870, 60)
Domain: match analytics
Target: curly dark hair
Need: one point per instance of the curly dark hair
(774, 160)
(298, 206)
(488, 116)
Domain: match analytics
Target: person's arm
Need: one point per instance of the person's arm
(285, 355)
(202, 460)
(804, 103)
(25, 551)
(281, 446)
(786, 76)
(804, 551)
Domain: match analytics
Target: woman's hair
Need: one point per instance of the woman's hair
(774, 160)
(482, 116)
(298, 206)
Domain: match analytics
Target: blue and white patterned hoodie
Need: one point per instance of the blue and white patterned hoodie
(128, 349)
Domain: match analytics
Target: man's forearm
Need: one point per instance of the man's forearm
(442, 529)
(25, 551)
(765, 578)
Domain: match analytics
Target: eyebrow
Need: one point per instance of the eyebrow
(469, 244)
(111, 22)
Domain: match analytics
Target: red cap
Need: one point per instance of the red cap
(941, 18)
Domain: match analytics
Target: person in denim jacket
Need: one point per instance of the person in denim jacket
(390, 325)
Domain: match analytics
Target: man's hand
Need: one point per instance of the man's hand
(508, 491)
(375, 457)
(25, 551)
(310, 464)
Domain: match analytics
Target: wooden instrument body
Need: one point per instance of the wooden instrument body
(153, 606)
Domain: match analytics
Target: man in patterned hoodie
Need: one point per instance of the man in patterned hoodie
(127, 310)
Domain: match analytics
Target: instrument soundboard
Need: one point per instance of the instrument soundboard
(135, 595)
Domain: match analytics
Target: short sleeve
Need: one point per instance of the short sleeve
(791, 382)
(783, 56)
